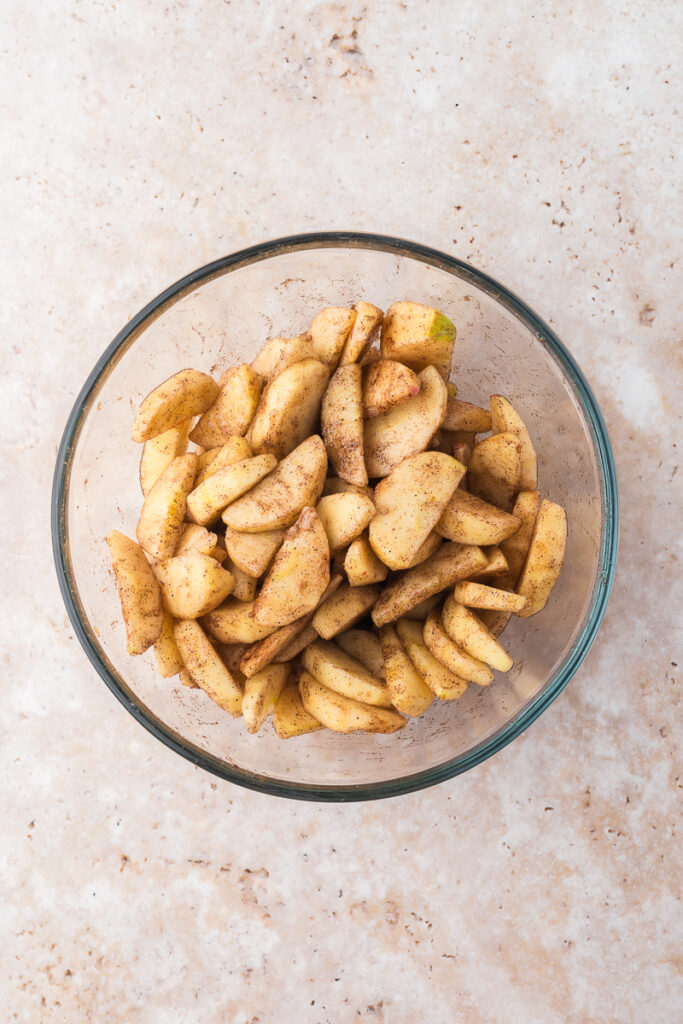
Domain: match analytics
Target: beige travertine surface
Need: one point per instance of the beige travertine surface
(537, 141)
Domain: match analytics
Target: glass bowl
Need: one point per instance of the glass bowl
(220, 315)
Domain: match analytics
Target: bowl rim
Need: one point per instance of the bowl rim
(608, 541)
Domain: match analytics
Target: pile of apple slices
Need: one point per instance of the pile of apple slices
(334, 483)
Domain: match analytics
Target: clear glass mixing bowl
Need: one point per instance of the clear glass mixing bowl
(221, 314)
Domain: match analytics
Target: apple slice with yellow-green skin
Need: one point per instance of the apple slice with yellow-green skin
(468, 519)
(408, 691)
(387, 383)
(193, 584)
(409, 503)
(365, 647)
(261, 694)
(361, 564)
(545, 558)
(159, 452)
(478, 595)
(506, 420)
(406, 429)
(206, 502)
(368, 319)
(235, 449)
(139, 592)
(443, 683)
(341, 421)
(344, 714)
(289, 408)
(290, 717)
(278, 499)
(186, 394)
(344, 674)
(233, 409)
(299, 574)
(418, 336)
(163, 511)
(329, 331)
(344, 517)
(494, 470)
(206, 668)
(453, 657)
(469, 633)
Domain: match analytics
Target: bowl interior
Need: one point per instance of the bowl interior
(222, 318)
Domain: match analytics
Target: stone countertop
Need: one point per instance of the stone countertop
(141, 141)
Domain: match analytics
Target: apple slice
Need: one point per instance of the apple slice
(418, 336)
(289, 408)
(261, 694)
(233, 409)
(453, 657)
(361, 564)
(329, 331)
(186, 394)
(546, 555)
(344, 714)
(278, 499)
(340, 672)
(469, 633)
(206, 668)
(139, 593)
(341, 420)
(408, 691)
(163, 511)
(368, 319)
(494, 471)
(506, 419)
(206, 502)
(409, 502)
(299, 574)
(478, 595)
(406, 429)
(290, 717)
(443, 683)
(387, 383)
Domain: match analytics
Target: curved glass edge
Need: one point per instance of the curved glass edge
(608, 547)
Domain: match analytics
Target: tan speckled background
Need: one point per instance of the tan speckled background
(143, 139)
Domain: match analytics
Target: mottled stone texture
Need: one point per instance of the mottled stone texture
(536, 140)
